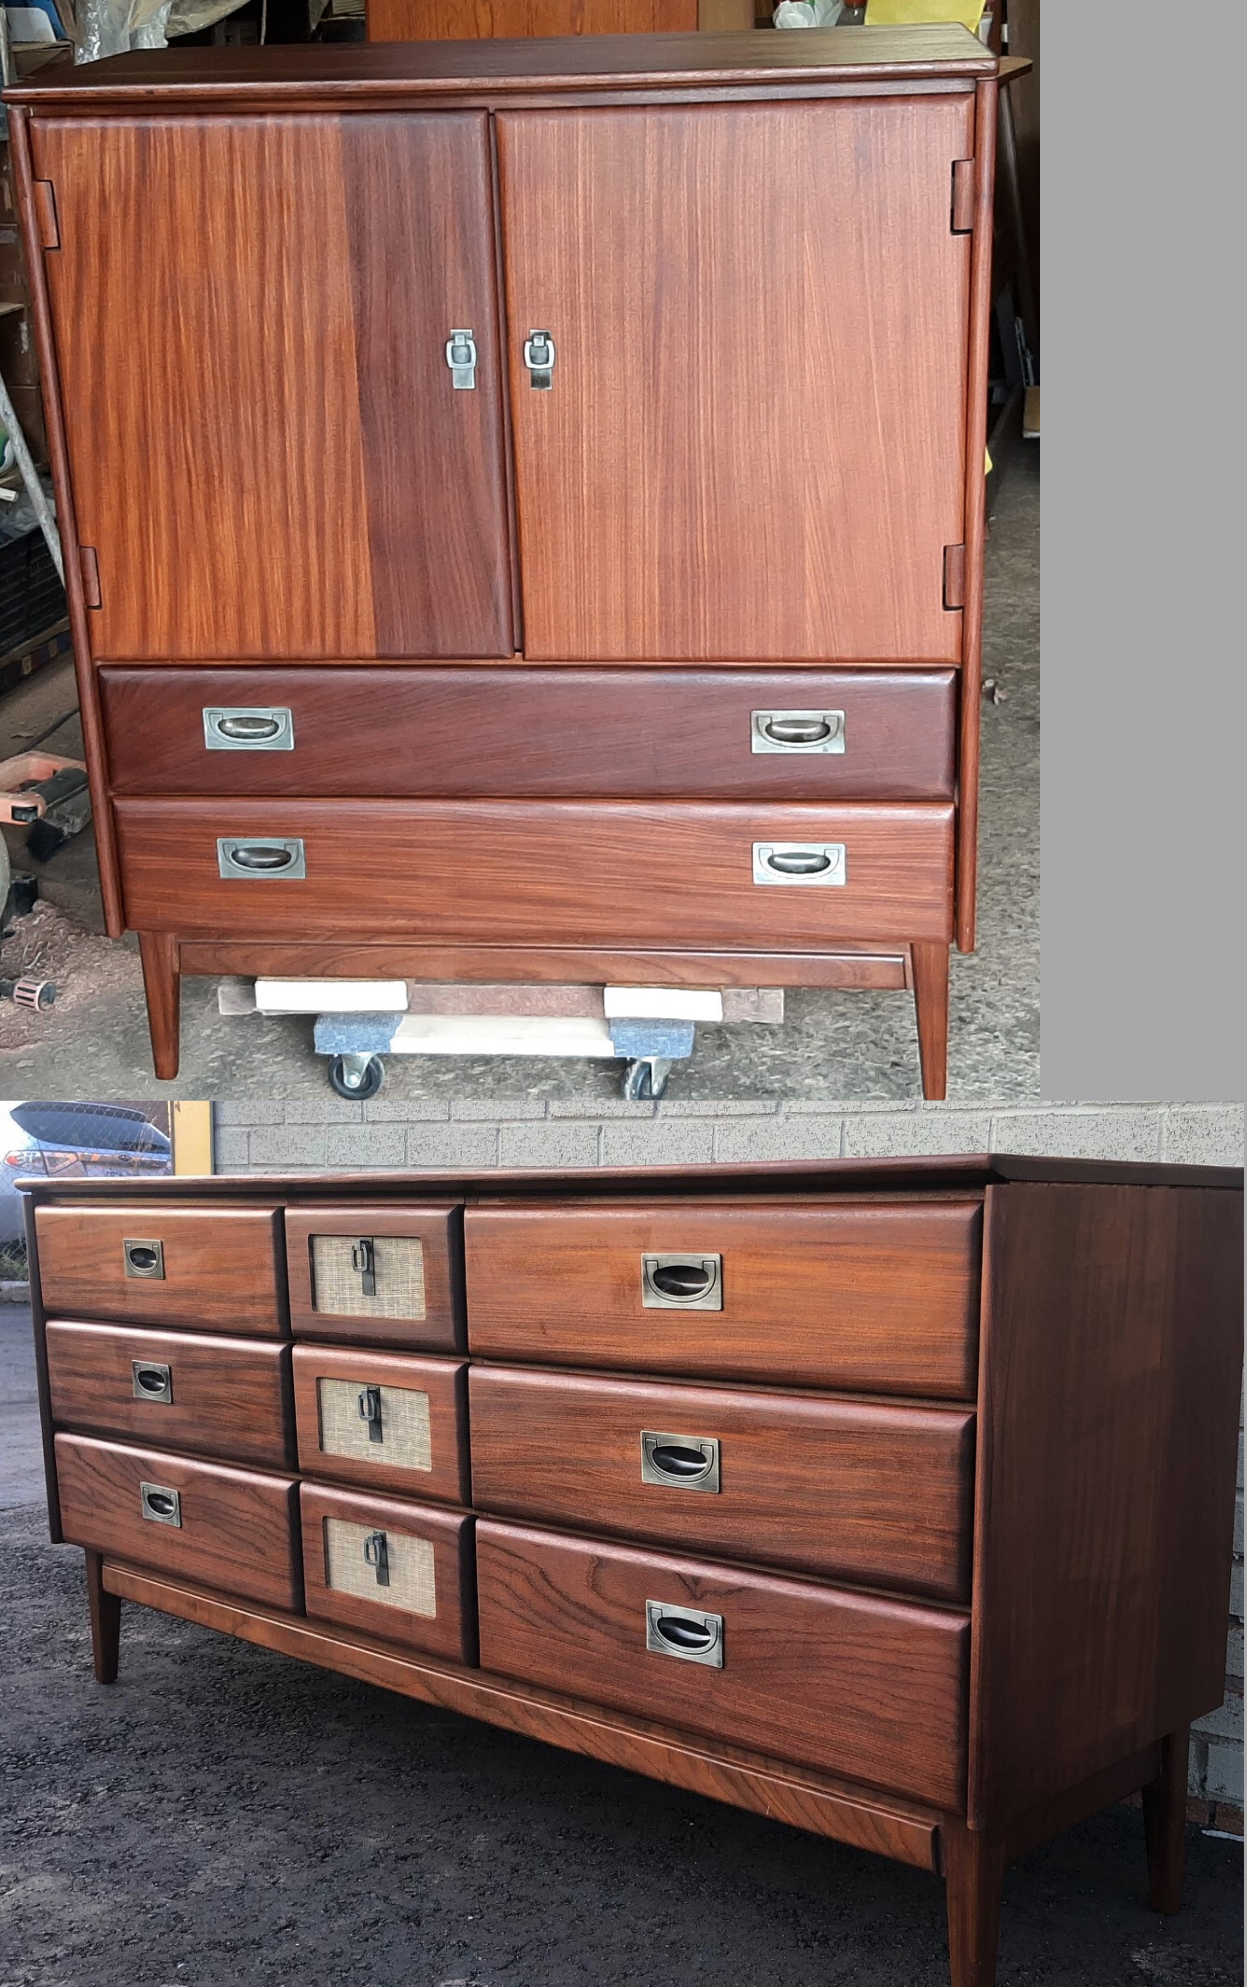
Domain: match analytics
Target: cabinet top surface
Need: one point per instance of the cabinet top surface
(385, 70)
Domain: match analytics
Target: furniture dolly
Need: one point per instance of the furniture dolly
(890, 1499)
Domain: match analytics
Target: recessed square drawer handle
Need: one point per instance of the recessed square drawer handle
(682, 1283)
(237, 856)
(799, 862)
(248, 728)
(797, 731)
(685, 1633)
(683, 1462)
(144, 1258)
(152, 1381)
(370, 1411)
(162, 1505)
(377, 1555)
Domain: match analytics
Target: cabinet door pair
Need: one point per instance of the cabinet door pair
(735, 341)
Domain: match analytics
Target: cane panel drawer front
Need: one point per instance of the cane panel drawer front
(388, 1421)
(205, 1269)
(731, 734)
(189, 1390)
(879, 1297)
(231, 1529)
(383, 1276)
(873, 1493)
(397, 1570)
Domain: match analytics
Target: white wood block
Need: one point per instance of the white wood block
(663, 1004)
(331, 996)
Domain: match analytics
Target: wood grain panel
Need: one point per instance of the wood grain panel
(874, 1494)
(1109, 1391)
(533, 733)
(753, 444)
(229, 1397)
(870, 1297)
(456, 20)
(451, 1631)
(244, 420)
(437, 1230)
(238, 1529)
(540, 872)
(224, 1266)
(444, 1381)
(840, 1680)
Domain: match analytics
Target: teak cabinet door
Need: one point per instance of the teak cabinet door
(752, 441)
(269, 455)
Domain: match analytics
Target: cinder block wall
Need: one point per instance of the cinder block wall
(431, 1133)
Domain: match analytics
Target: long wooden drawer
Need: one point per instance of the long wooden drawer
(862, 1296)
(869, 1688)
(379, 1275)
(205, 1268)
(218, 1396)
(571, 872)
(866, 734)
(392, 1569)
(869, 1493)
(232, 1529)
(383, 1421)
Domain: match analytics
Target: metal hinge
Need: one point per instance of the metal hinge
(90, 576)
(954, 576)
(45, 213)
(964, 189)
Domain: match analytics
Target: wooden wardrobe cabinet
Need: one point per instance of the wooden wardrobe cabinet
(486, 467)
(892, 1500)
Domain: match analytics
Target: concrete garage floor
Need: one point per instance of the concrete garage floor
(841, 1045)
(223, 1817)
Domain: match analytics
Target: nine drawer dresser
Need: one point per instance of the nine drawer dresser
(893, 1500)
(523, 502)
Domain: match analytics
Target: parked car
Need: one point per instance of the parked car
(73, 1141)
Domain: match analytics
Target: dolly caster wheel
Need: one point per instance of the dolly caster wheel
(356, 1077)
(646, 1078)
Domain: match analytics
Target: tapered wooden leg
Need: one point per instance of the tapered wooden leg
(974, 1874)
(930, 964)
(162, 986)
(1164, 1822)
(105, 1621)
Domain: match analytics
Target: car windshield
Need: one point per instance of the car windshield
(92, 1128)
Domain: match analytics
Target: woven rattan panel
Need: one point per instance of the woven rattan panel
(406, 1441)
(411, 1584)
(337, 1287)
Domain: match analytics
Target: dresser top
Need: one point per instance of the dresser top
(379, 72)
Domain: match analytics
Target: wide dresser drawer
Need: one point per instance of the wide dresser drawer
(870, 1688)
(217, 1396)
(205, 1268)
(565, 872)
(384, 1567)
(677, 734)
(869, 1296)
(386, 1421)
(861, 1491)
(232, 1529)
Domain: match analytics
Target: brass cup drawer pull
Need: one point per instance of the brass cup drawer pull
(152, 1381)
(682, 1283)
(797, 731)
(681, 1462)
(685, 1633)
(248, 728)
(799, 862)
(161, 1504)
(144, 1258)
(259, 860)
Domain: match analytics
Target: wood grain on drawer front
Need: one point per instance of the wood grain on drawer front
(429, 1599)
(223, 1266)
(417, 1299)
(883, 1297)
(505, 733)
(531, 872)
(238, 1531)
(223, 1396)
(870, 1493)
(872, 1689)
(423, 1421)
